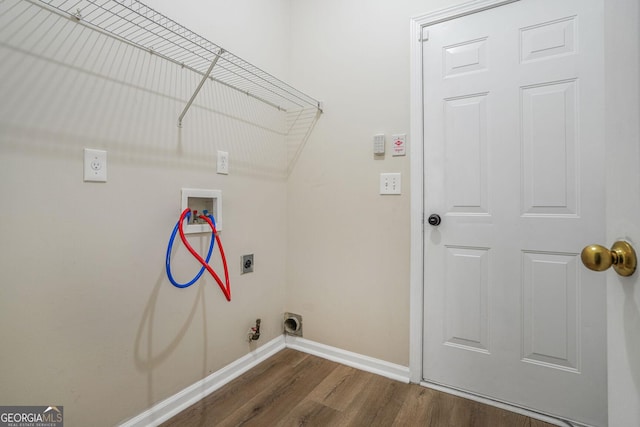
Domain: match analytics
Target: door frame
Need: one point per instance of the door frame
(622, 99)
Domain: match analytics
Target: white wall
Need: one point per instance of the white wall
(257, 31)
(348, 247)
(88, 319)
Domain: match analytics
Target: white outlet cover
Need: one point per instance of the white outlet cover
(223, 163)
(95, 165)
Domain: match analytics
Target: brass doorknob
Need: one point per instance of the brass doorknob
(621, 256)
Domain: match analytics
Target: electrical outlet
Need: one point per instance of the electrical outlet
(223, 163)
(247, 263)
(95, 165)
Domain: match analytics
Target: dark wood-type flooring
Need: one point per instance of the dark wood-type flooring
(297, 389)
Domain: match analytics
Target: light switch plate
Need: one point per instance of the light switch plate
(390, 183)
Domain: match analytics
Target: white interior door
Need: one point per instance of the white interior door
(514, 165)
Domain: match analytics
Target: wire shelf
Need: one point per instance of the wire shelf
(134, 23)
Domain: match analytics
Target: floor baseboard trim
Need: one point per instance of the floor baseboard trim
(355, 360)
(503, 405)
(180, 401)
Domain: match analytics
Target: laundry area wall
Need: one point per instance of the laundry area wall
(348, 246)
(89, 319)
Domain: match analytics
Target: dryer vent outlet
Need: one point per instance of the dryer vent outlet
(293, 324)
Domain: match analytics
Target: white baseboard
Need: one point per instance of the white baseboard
(355, 360)
(180, 401)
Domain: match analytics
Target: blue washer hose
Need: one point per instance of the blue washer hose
(170, 247)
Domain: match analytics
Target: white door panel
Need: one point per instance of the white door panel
(514, 165)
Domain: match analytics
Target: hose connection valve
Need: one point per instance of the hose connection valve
(254, 332)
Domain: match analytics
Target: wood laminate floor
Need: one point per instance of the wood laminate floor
(297, 389)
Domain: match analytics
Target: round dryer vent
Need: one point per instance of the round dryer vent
(293, 324)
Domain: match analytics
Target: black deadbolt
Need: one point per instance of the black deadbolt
(434, 219)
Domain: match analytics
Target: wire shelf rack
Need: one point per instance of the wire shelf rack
(134, 23)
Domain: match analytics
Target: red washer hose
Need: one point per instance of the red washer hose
(226, 288)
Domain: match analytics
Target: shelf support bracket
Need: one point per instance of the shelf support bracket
(204, 79)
